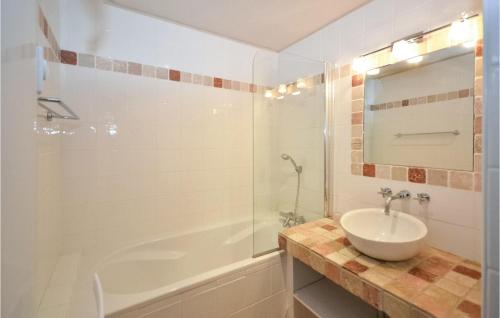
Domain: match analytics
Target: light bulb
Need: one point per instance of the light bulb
(415, 60)
(374, 71)
(360, 65)
(282, 89)
(268, 93)
(301, 83)
(403, 50)
(297, 92)
(462, 31)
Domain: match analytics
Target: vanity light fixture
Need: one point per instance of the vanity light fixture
(282, 89)
(374, 71)
(415, 60)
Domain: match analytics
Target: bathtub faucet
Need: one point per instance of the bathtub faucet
(289, 219)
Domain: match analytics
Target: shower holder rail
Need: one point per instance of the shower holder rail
(51, 114)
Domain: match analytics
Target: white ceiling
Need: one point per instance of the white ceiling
(272, 24)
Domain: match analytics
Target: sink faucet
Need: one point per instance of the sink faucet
(387, 195)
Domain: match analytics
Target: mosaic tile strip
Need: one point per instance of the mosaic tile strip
(457, 179)
(434, 283)
(424, 100)
(55, 54)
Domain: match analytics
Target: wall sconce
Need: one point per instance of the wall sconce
(403, 50)
(282, 89)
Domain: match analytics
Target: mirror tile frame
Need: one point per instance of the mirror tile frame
(458, 179)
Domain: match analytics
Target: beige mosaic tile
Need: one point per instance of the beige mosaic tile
(461, 180)
(399, 173)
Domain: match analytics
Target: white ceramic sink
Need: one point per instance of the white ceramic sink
(394, 237)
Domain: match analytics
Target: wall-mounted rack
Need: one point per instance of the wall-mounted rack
(51, 114)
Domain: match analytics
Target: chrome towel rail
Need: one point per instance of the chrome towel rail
(51, 114)
(452, 132)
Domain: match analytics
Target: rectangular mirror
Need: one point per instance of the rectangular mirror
(420, 112)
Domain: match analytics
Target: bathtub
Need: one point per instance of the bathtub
(207, 273)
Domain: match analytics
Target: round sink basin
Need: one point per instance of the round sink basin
(394, 237)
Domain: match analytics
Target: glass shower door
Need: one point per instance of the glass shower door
(289, 117)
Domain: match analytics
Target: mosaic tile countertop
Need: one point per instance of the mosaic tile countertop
(432, 284)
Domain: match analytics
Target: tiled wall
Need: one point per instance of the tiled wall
(453, 216)
(19, 159)
(164, 143)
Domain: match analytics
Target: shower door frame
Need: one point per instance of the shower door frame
(328, 79)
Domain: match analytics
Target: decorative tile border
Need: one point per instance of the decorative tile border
(423, 100)
(434, 283)
(457, 179)
(55, 54)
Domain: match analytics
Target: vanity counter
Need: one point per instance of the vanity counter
(434, 283)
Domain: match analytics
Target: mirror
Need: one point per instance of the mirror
(420, 112)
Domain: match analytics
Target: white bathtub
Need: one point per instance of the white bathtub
(167, 277)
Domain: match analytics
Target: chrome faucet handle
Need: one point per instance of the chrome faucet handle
(422, 197)
(385, 192)
(403, 194)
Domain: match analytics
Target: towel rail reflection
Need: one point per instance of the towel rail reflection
(449, 132)
(51, 114)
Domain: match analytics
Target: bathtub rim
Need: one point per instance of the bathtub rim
(122, 304)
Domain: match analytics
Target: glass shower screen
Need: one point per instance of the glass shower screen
(289, 112)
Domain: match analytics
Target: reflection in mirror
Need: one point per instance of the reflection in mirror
(419, 112)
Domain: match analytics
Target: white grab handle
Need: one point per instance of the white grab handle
(98, 296)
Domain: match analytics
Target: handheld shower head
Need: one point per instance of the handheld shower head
(285, 156)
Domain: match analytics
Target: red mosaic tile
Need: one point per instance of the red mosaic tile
(355, 267)
(463, 93)
(372, 296)
(471, 309)
(217, 82)
(329, 227)
(68, 57)
(420, 273)
(416, 175)
(479, 48)
(174, 75)
(357, 118)
(467, 271)
(344, 241)
(357, 80)
(253, 88)
(368, 170)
